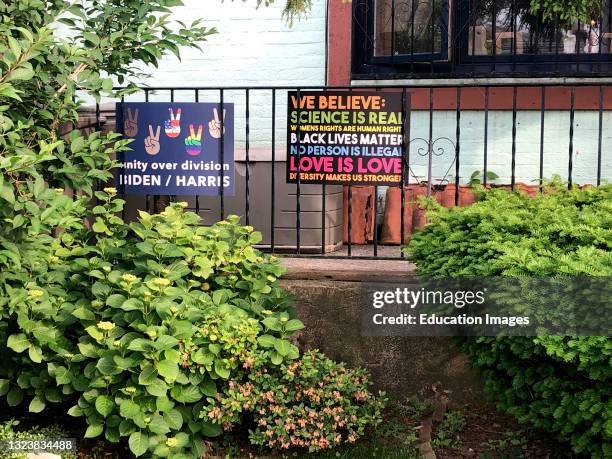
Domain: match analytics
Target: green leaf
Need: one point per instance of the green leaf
(94, 430)
(18, 343)
(140, 345)
(6, 189)
(5, 385)
(36, 405)
(14, 396)
(165, 342)
(147, 375)
(95, 332)
(266, 341)
(88, 350)
(83, 313)
(284, 347)
(222, 369)
(186, 394)
(203, 357)
(169, 370)
(35, 354)
(62, 375)
(293, 325)
(276, 358)
(21, 73)
(76, 411)
(209, 387)
(115, 300)
(158, 425)
(104, 405)
(139, 443)
(163, 404)
(14, 46)
(174, 419)
(107, 366)
(272, 323)
(129, 409)
(99, 226)
(157, 388)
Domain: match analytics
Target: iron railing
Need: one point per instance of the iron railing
(518, 144)
(444, 38)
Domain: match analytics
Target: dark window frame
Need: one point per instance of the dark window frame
(460, 63)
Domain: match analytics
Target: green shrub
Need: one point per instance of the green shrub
(311, 403)
(142, 321)
(560, 384)
(146, 326)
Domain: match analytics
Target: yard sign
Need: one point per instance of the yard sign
(341, 137)
(176, 148)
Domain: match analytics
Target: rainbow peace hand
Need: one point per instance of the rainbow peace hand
(193, 143)
(172, 127)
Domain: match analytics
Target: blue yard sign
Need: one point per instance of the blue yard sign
(177, 148)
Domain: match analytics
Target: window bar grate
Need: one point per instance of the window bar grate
(542, 120)
(599, 134)
(486, 136)
(412, 13)
(247, 159)
(513, 163)
(350, 211)
(570, 160)
(197, 198)
(298, 190)
(457, 144)
(405, 167)
(222, 155)
(273, 174)
(147, 197)
(392, 32)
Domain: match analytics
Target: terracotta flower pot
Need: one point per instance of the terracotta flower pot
(391, 229)
(363, 206)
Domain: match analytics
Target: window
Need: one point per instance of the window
(472, 37)
(516, 31)
(410, 27)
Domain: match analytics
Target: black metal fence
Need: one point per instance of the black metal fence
(520, 145)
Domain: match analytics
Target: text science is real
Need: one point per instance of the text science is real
(177, 148)
(341, 137)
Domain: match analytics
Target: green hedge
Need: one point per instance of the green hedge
(560, 384)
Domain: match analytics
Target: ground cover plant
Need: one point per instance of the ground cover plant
(559, 384)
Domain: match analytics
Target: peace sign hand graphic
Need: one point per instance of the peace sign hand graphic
(193, 143)
(151, 142)
(130, 125)
(172, 127)
(214, 126)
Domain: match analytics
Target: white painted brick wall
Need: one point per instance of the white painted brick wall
(556, 145)
(253, 47)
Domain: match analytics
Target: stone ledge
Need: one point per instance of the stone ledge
(303, 268)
